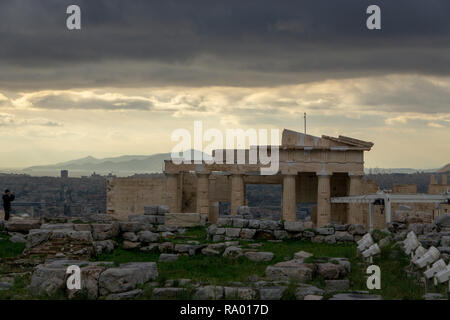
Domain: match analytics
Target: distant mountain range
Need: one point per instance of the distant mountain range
(116, 165)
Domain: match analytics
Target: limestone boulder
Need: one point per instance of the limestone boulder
(239, 293)
(36, 237)
(22, 226)
(125, 295)
(129, 245)
(130, 236)
(104, 231)
(304, 290)
(294, 226)
(232, 252)
(271, 293)
(104, 246)
(148, 236)
(259, 256)
(209, 293)
(289, 270)
(343, 236)
(126, 277)
(357, 229)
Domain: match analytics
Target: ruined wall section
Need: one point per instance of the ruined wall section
(128, 196)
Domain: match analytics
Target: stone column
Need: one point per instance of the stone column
(355, 210)
(203, 193)
(289, 198)
(323, 199)
(172, 191)
(237, 192)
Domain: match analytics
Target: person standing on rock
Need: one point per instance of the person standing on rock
(8, 197)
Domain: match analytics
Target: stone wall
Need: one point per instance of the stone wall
(238, 227)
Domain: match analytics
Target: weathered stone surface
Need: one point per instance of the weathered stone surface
(301, 255)
(143, 219)
(81, 227)
(271, 293)
(357, 229)
(337, 285)
(104, 246)
(58, 226)
(89, 282)
(304, 290)
(325, 231)
(264, 235)
(355, 296)
(318, 239)
(330, 239)
(168, 257)
(445, 250)
(184, 219)
(125, 295)
(292, 269)
(247, 233)
(5, 286)
(416, 227)
(128, 245)
(22, 226)
(443, 221)
(166, 247)
(150, 247)
(126, 277)
(445, 241)
(17, 238)
(130, 236)
(280, 234)
(239, 293)
(269, 225)
(209, 293)
(168, 293)
(240, 223)
(210, 252)
(343, 236)
(129, 226)
(232, 252)
(148, 236)
(50, 278)
(341, 227)
(253, 224)
(103, 231)
(313, 297)
(328, 270)
(294, 226)
(232, 232)
(224, 222)
(259, 256)
(182, 247)
(151, 210)
(434, 296)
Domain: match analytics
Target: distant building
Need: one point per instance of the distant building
(64, 174)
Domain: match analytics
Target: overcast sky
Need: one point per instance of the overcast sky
(140, 69)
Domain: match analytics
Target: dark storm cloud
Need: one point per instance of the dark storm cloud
(188, 42)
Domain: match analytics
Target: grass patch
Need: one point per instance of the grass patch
(9, 249)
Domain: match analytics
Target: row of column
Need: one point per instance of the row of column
(355, 215)
(288, 201)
